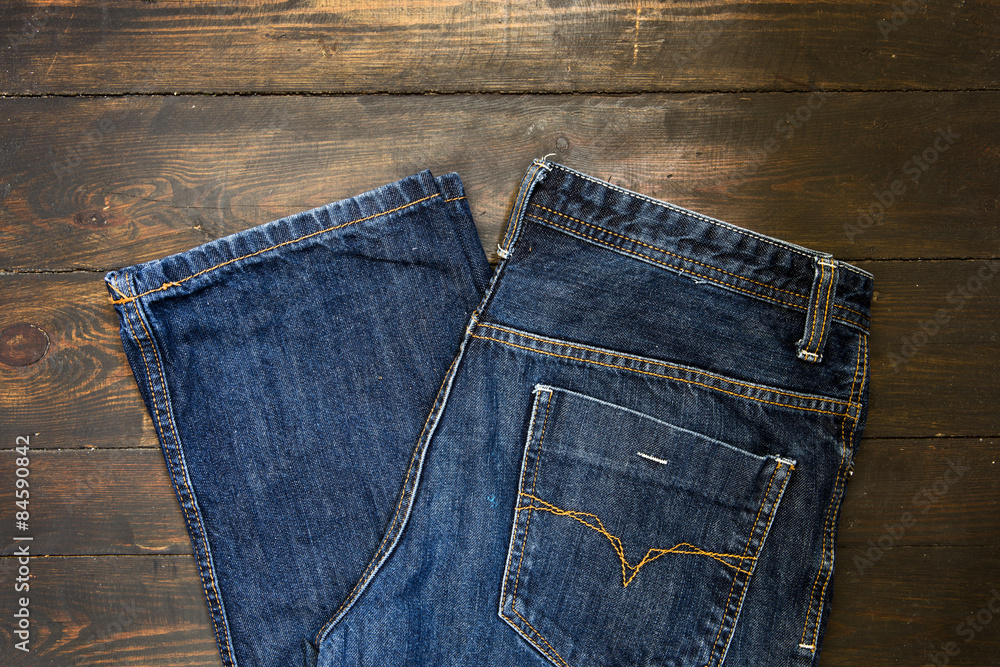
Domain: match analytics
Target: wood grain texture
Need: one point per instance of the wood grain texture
(487, 45)
(912, 605)
(81, 393)
(908, 493)
(96, 501)
(114, 611)
(100, 183)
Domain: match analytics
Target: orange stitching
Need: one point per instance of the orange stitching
(534, 480)
(175, 283)
(524, 539)
(812, 313)
(531, 432)
(116, 289)
(686, 259)
(767, 530)
(660, 363)
(677, 268)
(827, 518)
(453, 199)
(826, 308)
(156, 412)
(667, 252)
(732, 586)
(841, 483)
(671, 266)
(668, 377)
(679, 548)
(508, 238)
(392, 526)
(541, 637)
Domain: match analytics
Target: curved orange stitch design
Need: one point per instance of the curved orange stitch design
(651, 555)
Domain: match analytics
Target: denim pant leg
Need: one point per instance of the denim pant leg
(289, 370)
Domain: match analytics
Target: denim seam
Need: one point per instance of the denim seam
(681, 548)
(692, 272)
(753, 530)
(666, 252)
(848, 406)
(804, 346)
(534, 482)
(178, 469)
(767, 531)
(831, 510)
(511, 547)
(524, 192)
(174, 283)
(668, 425)
(717, 223)
(524, 537)
(408, 492)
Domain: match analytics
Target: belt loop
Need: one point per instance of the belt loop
(537, 172)
(824, 293)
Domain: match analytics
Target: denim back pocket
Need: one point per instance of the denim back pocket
(634, 540)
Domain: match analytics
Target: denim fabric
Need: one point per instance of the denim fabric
(628, 446)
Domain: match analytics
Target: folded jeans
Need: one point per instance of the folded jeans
(627, 444)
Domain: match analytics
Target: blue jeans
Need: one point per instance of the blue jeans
(626, 445)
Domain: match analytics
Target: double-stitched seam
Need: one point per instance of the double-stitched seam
(668, 377)
(671, 207)
(222, 634)
(717, 223)
(831, 511)
(826, 306)
(699, 275)
(174, 283)
(542, 637)
(516, 218)
(653, 362)
(732, 586)
(531, 434)
(524, 538)
(813, 318)
(667, 252)
(814, 312)
(681, 548)
(847, 444)
(534, 481)
(682, 257)
(404, 493)
(115, 288)
(767, 529)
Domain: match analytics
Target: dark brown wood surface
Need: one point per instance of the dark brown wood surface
(552, 45)
(792, 119)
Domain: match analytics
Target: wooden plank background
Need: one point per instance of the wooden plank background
(134, 130)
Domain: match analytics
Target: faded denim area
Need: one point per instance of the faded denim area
(626, 447)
